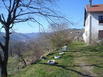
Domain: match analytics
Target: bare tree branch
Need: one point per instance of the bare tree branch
(16, 11)
(5, 5)
(0, 59)
(22, 20)
(1, 20)
(1, 45)
(10, 4)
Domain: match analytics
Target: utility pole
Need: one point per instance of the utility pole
(90, 30)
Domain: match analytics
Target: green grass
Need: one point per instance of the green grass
(40, 70)
(66, 66)
(43, 70)
(12, 65)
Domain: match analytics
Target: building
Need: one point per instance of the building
(93, 22)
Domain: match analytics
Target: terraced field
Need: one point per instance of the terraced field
(79, 61)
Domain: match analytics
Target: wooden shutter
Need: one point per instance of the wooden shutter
(100, 19)
(100, 36)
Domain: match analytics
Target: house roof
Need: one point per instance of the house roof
(94, 8)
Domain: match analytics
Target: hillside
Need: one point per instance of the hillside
(33, 36)
(79, 61)
(22, 36)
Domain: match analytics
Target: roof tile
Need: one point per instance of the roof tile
(94, 8)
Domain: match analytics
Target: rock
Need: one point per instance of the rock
(43, 58)
(21, 65)
(51, 62)
(57, 57)
(64, 48)
(61, 53)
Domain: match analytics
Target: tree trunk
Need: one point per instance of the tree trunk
(5, 51)
(23, 60)
(4, 69)
(0, 71)
(0, 65)
(3, 65)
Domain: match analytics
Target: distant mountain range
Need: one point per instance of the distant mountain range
(24, 37)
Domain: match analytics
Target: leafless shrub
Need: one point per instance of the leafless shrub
(59, 34)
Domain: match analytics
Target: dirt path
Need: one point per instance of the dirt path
(83, 65)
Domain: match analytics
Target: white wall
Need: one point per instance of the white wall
(95, 27)
(87, 28)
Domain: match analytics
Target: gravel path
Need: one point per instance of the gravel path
(84, 66)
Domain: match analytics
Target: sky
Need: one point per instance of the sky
(72, 9)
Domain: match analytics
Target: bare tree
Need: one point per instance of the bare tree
(16, 11)
(59, 34)
(19, 48)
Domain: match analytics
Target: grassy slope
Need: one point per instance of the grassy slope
(67, 67)
(43, 70)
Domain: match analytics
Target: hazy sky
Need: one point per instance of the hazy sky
(72, 9)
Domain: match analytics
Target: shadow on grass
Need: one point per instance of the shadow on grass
(86, 55)
(69, 69)
(95, 65)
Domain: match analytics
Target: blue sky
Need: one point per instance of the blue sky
(72, 9)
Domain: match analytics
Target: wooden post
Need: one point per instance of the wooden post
(90, 34)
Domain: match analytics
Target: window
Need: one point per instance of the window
(100, 19)
(100, 35)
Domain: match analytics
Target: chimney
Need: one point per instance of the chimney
(90, 2)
